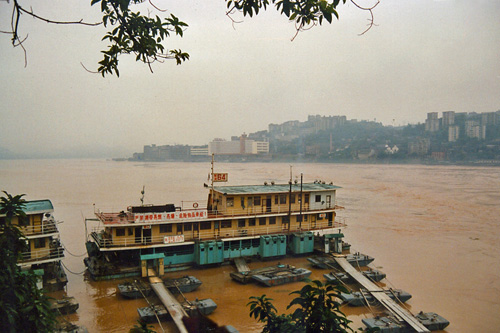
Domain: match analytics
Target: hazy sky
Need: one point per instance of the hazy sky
(423, 56)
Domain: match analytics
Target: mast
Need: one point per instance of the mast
(300, 214)
(212, 178)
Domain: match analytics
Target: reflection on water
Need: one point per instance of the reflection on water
(432, 229)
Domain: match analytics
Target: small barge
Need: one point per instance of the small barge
(360, 298)
(373, 275)
(204, 306)
(390, 324)
(286, 276)
(355, 259)
(138, 288)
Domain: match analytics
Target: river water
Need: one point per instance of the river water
(434, 230)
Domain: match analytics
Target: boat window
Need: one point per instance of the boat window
(205, 225)
(262, 221)
(317, 198)
(226, 224)
(39, 243)
(250, 201)
(275, 199)
(272, 220)
(299, 218)
(306, 198)
(282, 199)
(230, 202)
(164, 228)
(130, 231)
(256, 201)
(285, 219)
(241, 223)
(251, 222)
(292, 198)
(120, 232)
(305, 217)
(188, 226)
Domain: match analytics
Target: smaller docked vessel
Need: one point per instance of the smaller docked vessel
(149, 314)
(355, 259)
(64, 306)
(286, 276)
(138, 288)
(359, 298)
(432, 321)
(373, 275)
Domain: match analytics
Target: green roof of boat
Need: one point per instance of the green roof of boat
(37, 206)
(276, 188)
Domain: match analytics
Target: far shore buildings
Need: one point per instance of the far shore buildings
(237, 146)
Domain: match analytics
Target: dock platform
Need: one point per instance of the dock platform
(378, 293)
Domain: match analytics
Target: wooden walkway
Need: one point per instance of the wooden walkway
(241, 265)
(170, 302)
(379, 294)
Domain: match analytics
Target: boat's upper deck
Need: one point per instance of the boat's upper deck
(227, 202)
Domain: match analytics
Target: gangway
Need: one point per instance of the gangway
(381, 296)
(241, 265)
(170, 302)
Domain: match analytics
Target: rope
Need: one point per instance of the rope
(81, 273)
(74, 255)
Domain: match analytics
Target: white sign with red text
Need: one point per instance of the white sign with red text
(172, 216)
(173, 239)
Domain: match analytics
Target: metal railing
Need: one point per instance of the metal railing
(251, 211)
(42, 229)
(106, 241)
(42, 254)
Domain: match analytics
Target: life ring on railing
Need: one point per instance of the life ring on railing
(195, 205)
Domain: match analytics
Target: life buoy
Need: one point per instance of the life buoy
(195, 205)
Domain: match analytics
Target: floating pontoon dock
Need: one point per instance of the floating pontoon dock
(379, 294)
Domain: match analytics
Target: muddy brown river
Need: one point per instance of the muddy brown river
(434, 230)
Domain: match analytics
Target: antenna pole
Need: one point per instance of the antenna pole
(212, 181)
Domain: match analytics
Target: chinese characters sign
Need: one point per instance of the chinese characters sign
(171, 216)
(173, 239)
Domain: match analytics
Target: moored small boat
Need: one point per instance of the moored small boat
(138, 288)
(359, 298)
(355, 259)
(282, 277)
(247, 276)
(389, 324)
(203, 306)
(64, 306)
(184, 284)
(134, 289)
(432, 321)
(373, 275)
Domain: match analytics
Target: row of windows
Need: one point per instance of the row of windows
(280, 199)
(207, 225)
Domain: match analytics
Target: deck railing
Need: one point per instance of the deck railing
(42, 254)
(248, 212)
(42, 229)
(105, 241)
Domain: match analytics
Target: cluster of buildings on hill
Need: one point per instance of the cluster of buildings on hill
(334, 138)
(472, 125)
